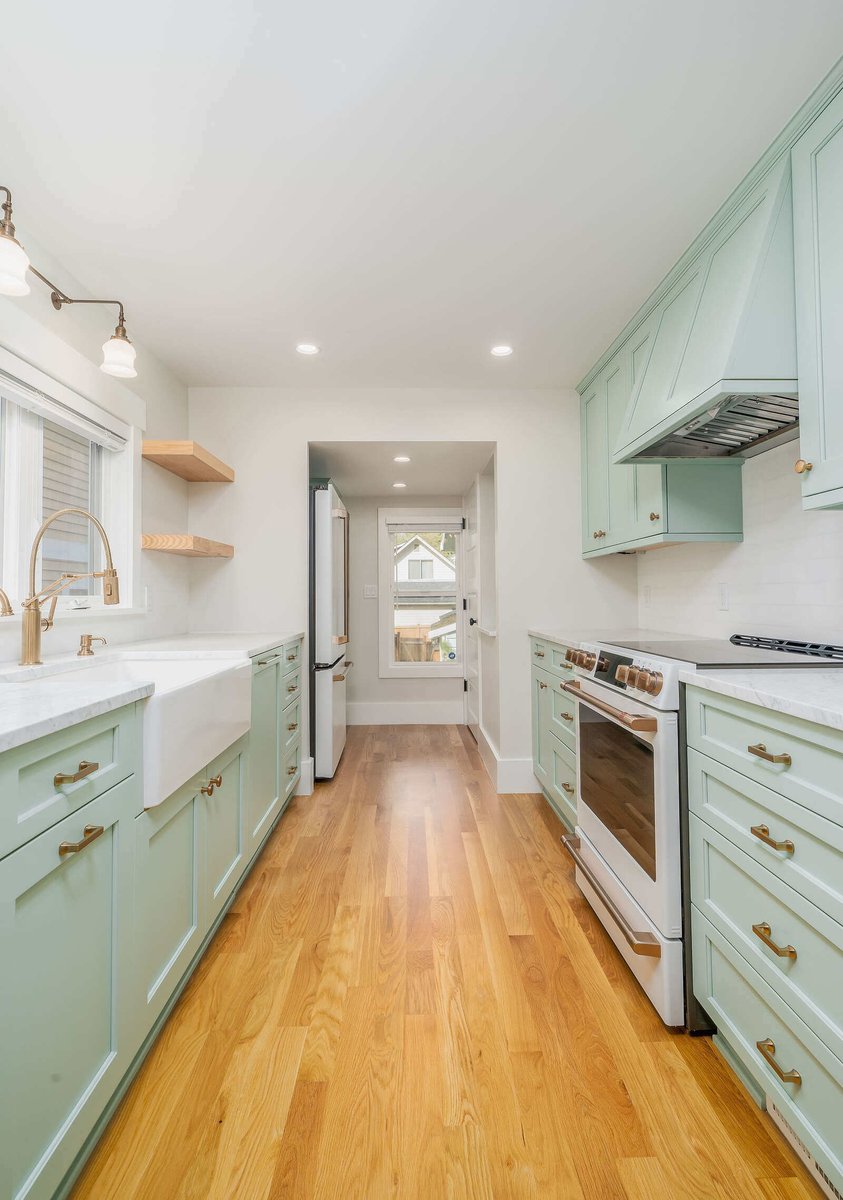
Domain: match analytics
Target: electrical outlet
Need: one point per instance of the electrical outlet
(370, 591)
(723, 590)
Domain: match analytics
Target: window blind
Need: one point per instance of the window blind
(68, 480)
(89, 422)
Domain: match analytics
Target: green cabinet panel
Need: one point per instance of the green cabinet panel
(595, 463)
(541, 692)
(555, 737)
(168, 893)
(66, 928)
(561, 787)
(222, 827)
(817, 160)
(264, 788)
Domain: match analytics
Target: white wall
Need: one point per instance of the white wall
(785, 578)
(67, 346)
(372, 700)
(264, 433)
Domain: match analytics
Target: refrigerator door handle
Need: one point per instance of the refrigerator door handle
(341, 514)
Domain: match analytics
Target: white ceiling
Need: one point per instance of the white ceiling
(367, 469)
(404, 183)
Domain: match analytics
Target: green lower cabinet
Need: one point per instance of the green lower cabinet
(222, 828)
(541, 693)
(561, 786)
(554, 741)
(66, 929)
(264, 792)
(168, 893)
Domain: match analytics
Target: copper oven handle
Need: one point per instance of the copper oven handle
(630, 720)
(639, 943)
(767, 1050)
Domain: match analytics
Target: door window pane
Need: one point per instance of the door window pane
(425, 596)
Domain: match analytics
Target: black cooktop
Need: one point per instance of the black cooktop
(712, 653)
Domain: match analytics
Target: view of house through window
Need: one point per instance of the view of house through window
(69, 479)
(425, 570)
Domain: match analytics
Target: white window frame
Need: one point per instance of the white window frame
(422, 518)
(30, 394)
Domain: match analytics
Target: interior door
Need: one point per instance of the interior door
(471, 577)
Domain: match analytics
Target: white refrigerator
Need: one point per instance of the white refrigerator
(328, 626)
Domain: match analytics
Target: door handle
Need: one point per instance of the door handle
(472, 620)
(85, 769)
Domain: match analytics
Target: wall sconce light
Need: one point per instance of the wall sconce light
(118, 353)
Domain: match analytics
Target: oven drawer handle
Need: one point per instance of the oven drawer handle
(630, 720)
(639, 943)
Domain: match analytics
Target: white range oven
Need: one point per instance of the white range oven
(628, 847)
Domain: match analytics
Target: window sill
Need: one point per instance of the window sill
(95, 612)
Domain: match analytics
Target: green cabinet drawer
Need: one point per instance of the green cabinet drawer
(290, 725)
(223, 828)
(562, 716)
(550, 656)
(34, 794)
(726, 729)
(292, 656)
(753, 909)
(735, 806)
(748, 1011)
(541, 684)
(561, 783)
(291, 686)
(291, 769)
(169, 923)
(540, 653)
(66, 930)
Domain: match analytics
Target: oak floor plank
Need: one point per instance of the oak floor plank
(410, 999)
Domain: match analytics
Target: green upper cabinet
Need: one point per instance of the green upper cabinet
(725, 327)
(818, 244)
(632, 507)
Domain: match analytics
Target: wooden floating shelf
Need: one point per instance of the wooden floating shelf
(188, 544)
(188, 460)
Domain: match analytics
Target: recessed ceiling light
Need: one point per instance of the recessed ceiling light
(401, 458)
(307, 348)
(399, 485)
(501, 351)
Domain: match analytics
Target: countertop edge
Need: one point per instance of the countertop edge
(767, 689)
(84, 711)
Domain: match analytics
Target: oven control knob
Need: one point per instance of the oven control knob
(588, 660)
(570, 656)
(622, 674)
(642, 681)
(654, 683)
(632, 674)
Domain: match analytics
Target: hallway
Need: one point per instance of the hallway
(410, 998)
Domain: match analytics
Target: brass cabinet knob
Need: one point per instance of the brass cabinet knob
(599, 533)
(542, 685)
(801, 467)
(291, 770)
(655, 516)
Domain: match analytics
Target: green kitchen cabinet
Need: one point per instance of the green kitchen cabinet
(628, 507)
(817, 161)
(264, 791)
(554, 733)
(541, 692)
(67, 932)
(223, 827)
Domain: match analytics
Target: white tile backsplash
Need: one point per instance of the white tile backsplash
(785, 578)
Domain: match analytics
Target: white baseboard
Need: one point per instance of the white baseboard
(421, 712)
(305, 787)
(507, 774)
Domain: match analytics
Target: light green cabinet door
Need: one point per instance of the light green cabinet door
(541, 684)
(595, 464)
(621, 480)
(264, 788)
(66, 934)
(649, 506)
(223, 828)
(817, 162)
(169, 923)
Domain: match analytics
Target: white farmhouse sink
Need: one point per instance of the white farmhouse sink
(198, 708)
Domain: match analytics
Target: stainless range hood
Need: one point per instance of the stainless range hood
(720, 374)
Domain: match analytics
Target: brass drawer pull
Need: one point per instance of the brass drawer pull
(542, 685)
(292, 727)
(566, 787)
(767, 1050)
(291, 770)
(567, 716)
(599, 533)
(208, 789)
(763, 931)
(654, 516)
(292, 657)
(90, 834)
(762, 832)
(293, 687)
(639, 943)
(539, 653)
(761, 751)
(801, 466)
(85, 769)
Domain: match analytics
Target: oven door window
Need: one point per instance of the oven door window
(617, 783)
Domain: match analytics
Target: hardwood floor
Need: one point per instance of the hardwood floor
(411, 999)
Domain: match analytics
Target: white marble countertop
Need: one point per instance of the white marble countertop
(576, 637)
(211, 645)
(37, 707)
(812, 693)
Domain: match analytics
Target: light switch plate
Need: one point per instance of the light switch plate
(370, 591)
